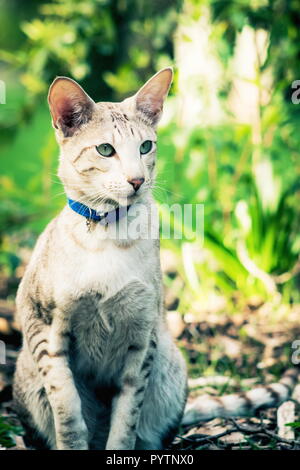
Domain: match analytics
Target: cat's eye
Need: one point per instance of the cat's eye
(106, 150)
(146, 147)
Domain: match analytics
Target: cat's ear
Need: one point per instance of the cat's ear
(69, 104)
(150, 98)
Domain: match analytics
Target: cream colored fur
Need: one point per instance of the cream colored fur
(98, 368)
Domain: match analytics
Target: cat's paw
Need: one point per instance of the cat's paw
(127, 443)
(73, 438)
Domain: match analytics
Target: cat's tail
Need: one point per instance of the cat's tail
(241, 404)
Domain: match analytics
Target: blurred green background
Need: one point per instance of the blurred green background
(229, 138)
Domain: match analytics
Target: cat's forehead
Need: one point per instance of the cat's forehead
(121, 119)
(116, 111)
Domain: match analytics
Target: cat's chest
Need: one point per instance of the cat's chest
(111, 298)
(106, 271)
(104, 330)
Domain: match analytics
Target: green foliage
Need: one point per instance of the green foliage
(295, 425)
(280, 18)
(245, 173)
(251, 230)
(29, 186)
(104, 44)
(7, 432)
(273, 230)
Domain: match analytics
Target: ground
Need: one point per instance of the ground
(225, 353)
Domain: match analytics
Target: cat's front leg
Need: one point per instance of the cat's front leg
(70, 428)
(50, 348)
(126, 406)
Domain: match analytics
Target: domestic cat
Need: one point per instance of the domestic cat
(98, 368)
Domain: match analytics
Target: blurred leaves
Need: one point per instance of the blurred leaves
(95, 42)
(245, 171)
(8, 431)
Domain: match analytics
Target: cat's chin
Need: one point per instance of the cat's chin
(126, 201)
(111, 204)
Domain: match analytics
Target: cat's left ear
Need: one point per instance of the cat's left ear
(150, 98)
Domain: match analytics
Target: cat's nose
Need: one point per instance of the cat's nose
(136, 183)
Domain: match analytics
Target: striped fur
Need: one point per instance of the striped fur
(242, 404)
(98, 368)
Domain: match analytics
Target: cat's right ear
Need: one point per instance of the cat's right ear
(69, 105)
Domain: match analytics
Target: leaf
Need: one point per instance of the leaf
(295, 424)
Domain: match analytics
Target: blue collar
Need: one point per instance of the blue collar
(90, 214)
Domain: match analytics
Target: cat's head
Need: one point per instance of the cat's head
(108, 150)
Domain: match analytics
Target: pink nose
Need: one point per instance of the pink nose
(136, 183)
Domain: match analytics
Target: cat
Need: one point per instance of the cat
(98, 368)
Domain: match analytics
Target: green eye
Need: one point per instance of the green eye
(146, 147)
(106, 150)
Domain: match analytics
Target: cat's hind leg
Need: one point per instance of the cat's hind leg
(165, 397)
(32, 405)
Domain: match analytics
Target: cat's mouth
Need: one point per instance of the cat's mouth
(114, 200)
(127, 199)
(120, 201)
(111, 202)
